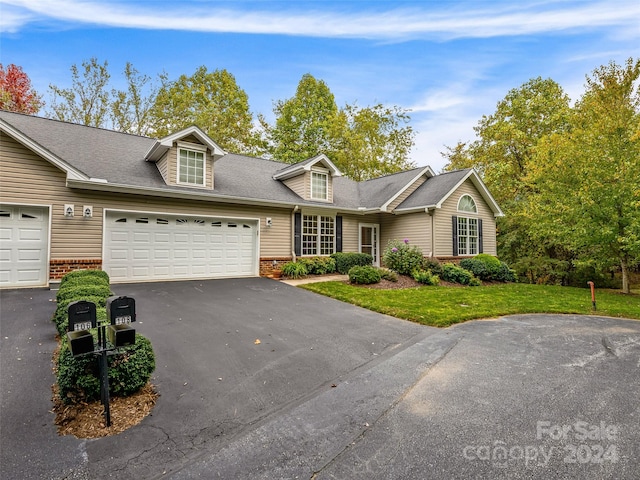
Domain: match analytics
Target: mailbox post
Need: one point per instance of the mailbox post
(113, 334)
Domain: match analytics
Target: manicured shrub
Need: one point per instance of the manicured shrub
(488, 267)
(74, 292)
(319, 265)
(79, 377)
(426, 277)
(402, 257)
(455, 274)
(433, 265)
(387, 274)
(505, 274)
(131, 370)
(346, 260)
(294, 270)
(91, 276)
(364, 275)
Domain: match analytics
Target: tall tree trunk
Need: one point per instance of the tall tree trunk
(625, 275)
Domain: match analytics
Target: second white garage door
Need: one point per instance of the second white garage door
(141, 247)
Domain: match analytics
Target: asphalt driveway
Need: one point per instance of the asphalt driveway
(334, 391)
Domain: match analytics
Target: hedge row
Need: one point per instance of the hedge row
(78, 378)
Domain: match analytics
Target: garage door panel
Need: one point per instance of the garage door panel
(178, 247)
(30, 255)
(24, 245)
(26, 235)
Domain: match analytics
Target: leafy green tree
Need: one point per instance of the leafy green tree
(589, 190)
(363, 142)
(303, 122)
(372, 141)
(88, 100)
(16, 92)
(131, 108)
(504, 154)
(211, 100)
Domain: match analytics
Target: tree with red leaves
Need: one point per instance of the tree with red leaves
(16, 93)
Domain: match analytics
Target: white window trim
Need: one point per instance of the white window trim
(475, 204)
(468, 237)
(195, 148)
(318, 235)
(325, 174)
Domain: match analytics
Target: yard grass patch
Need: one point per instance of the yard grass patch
(444, 306)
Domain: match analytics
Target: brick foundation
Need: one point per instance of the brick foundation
(59, 268)
(267, 264)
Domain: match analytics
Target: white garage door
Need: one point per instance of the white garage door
(140, 246)
(24, 246)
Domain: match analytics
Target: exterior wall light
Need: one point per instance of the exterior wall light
(68, 211)
(87, 211)
(269, 222)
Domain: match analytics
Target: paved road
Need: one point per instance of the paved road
(556, 394)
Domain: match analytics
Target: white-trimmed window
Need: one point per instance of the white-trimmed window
(467, 204)
(191, 165)
(467, 236)
(318, 235)
(319, 186)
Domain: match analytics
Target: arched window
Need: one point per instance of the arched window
(467, 204)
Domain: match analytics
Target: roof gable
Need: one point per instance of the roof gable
(161, 146)
(306, 166)
(435, 191)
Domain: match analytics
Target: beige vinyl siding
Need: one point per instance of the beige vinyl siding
(297, 184)
(444, 230)
(163, 168)
(414, 226)
(25, 178)
(406, 193)
(172, 166)
(350, 230)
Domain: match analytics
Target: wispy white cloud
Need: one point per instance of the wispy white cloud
(423, 21)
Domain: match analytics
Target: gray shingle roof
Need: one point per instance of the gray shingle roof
(431, 192)
(119, 158)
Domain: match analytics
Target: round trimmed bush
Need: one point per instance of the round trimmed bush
(364, 275)
(89, 276)
(318, 265)
(455, 274)
(79, 377)
(75, 292)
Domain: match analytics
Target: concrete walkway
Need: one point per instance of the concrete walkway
(315, 278)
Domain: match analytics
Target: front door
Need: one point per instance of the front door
(369, 241)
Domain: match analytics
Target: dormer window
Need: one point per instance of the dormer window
(319, 186)
(191, 164)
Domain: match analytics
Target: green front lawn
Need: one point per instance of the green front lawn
(443, 306)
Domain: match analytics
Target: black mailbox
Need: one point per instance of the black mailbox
(121, 335)
(80, 342)
(82, 316)
(121, 310)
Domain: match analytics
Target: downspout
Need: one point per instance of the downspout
(431, 212)
(293, 233)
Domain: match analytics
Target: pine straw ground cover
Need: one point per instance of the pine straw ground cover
(87, 420)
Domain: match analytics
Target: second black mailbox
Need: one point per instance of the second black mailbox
(121, 311)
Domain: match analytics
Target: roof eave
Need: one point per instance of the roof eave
(17, 135)
(102, 185)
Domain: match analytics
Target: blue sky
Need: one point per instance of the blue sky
(450, 62)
